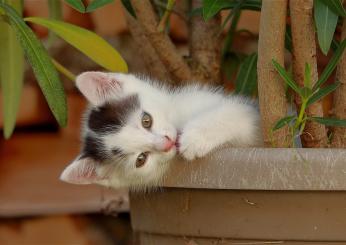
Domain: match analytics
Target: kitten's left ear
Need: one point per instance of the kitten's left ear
(81, 171)
(97, 87)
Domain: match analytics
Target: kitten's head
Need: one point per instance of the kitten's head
(127, 139)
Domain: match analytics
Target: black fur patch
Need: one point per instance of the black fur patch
(94, 148)
(111, 116)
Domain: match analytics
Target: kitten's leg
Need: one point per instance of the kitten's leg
(237, 124)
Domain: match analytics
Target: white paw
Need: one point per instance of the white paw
(193, 144)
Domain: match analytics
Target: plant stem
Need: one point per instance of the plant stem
(165, 17)
(301, 113)
(63, 70)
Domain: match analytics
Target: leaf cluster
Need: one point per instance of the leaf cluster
(44, 67)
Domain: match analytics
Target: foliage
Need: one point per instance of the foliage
(11, 69)
(79, 5)
(308, 95)
(326, 21)
(42, 64)
(86, 41)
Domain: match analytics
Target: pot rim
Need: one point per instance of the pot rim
(262, 169)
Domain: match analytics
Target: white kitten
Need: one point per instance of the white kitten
(134, 127)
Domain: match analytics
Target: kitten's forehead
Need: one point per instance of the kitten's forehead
(112, 115)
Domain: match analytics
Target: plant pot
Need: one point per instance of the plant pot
(248, 196)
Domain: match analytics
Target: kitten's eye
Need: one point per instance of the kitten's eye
(147, 120)
(141, 159)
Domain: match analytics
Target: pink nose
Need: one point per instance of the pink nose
(168, 144)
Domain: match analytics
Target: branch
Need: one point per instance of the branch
(205, 48)
(160, 41)
(146, 50)
(339, 103)
(271, 90)
(304, 51)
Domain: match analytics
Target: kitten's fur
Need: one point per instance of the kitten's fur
(113, 135)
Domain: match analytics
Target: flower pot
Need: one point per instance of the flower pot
(248, 196)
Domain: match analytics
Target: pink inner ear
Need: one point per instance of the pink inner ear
(97, 87)
(81, 172)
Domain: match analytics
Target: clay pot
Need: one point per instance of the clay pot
(248, 195)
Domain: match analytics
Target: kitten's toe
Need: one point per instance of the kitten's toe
(191, 148)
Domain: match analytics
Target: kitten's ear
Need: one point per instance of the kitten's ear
(81, 171)
(97, 87)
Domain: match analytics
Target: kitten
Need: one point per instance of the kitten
(134, 127)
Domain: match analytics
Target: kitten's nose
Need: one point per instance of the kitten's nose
(168, 144)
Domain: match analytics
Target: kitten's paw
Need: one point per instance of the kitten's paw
(192, 144)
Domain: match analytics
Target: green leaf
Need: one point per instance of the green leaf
(235, 16)
(283, 122)
(41, 63)
(77, 5)
(97, 4)
(230, 64)
(246, 81)
(307, 76)
(326, 21)
(128, 6)
(86, 41)
(319, 94)
(254, 5)
(212, 7)
(306, 92)
(335, 6)
(331, 65)
(11, 71)
(287, 79)
(329, 121)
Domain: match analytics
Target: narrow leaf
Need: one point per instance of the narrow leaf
(41, 63)
(335, 6)
(235, 16)
(97, 4)
(329, 121)
(128, 6)
(230, 64)
(86, 41)
(77, 5)
(11, 71)
(283, 121)
(326, 21)
(246, 81)
(306, 92)
(212, 7)
(254, 5)
(287, 79)
(322, 93)
(331, 65)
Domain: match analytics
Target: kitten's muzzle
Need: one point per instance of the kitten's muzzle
(169, 144)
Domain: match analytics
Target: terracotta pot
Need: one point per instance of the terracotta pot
(248, 196)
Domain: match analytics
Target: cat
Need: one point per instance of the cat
(134, 127)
